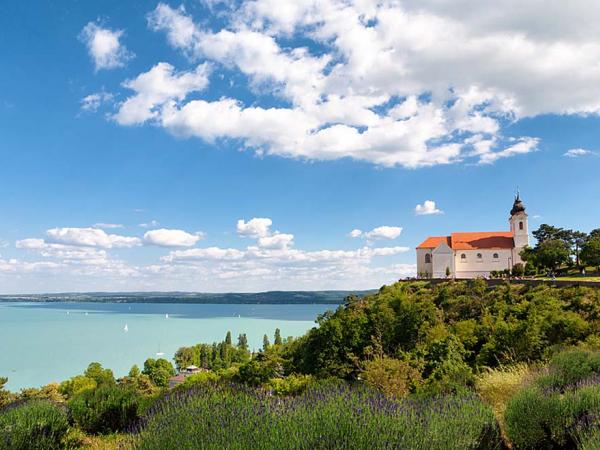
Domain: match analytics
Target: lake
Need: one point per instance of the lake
(45, 342)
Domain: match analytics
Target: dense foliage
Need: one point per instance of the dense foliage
(439, 335)
(215, 356)
(35, 424)
(333, 415)
(556, 247)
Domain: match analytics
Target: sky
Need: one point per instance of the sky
(222, 146)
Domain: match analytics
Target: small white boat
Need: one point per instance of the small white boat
(160, 354)
(166, 316)
(126, 328)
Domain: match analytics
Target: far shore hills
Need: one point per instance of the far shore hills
(270, 297)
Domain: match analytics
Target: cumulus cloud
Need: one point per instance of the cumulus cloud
(159, 88)
(104, 46)
(427, 208)
(384, 232)
(355, 233)
(411, 83)
(577, 152)
(92, 237)
(256, 227)
(171, 238)
(80, 258)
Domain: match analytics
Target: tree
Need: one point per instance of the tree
(134, 372)
(578, 238)
(448, 272)
(159, 371)
(266, 343)
(518, 270)
(101, 376)
(242, 341)
(552, 254)
(5, 396)
(228, 338)
(547, 232)
(278, 340)
(590, 252)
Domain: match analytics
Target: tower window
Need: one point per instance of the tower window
(463, 256)
(520, 225)
(495, 255)
(427, 258)
(479, 256)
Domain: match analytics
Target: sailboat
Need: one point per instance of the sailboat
(159, 353)
(126, 328)
(166, 316)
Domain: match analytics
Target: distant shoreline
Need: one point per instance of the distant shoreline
(271, 297)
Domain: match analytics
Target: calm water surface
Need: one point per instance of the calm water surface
(45, 342)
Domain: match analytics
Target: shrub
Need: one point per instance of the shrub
(106, 409)
(290, 385)
(391, 376)
(261, 369)
(535, 419)
(497, 386)
(570, 367)
(35, 424)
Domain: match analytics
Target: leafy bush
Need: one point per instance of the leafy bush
(106, 409)
(391, 376)
(538, 419)
(570, 367)
(330, 415)
(290, 385)
(35, 424)
(535, 419)
(261, 369)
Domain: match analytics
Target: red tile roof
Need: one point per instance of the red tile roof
(485, 240)
(472, 241)
(433, 242)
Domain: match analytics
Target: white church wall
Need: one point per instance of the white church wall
(472, 267)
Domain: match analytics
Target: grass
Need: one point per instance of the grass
(329, 416)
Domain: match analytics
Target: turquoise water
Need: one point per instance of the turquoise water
(45, 342)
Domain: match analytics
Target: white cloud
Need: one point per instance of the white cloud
(427, 208)
(92, 102)
(104, 46)
(384, 232)
(276, 241)
(355, 233)
(107, 226)
(171, 238)
(151, 224)
(256, 227)
(577, 152)
(394, 83)
(83, 261)
(92, 237)
(157, 88)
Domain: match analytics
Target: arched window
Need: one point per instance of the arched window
(495, 255)
(427, 258)
(463, 256)
(520, 225)
(479, 256)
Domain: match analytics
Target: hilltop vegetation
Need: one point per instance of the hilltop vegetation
(455, 365)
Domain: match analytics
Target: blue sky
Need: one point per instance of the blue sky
(135, 135)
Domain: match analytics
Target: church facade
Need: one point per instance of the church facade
(475, 254)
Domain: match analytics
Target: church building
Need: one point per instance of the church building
(473, 255)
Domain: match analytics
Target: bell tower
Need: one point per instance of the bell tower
(519, 225)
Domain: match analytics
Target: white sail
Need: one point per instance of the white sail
(126, 328)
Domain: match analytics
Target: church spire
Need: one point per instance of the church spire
(518, 205)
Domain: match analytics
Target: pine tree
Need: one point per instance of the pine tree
(228, 338)
(266, 343)
(278, 340)
(243, 341)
